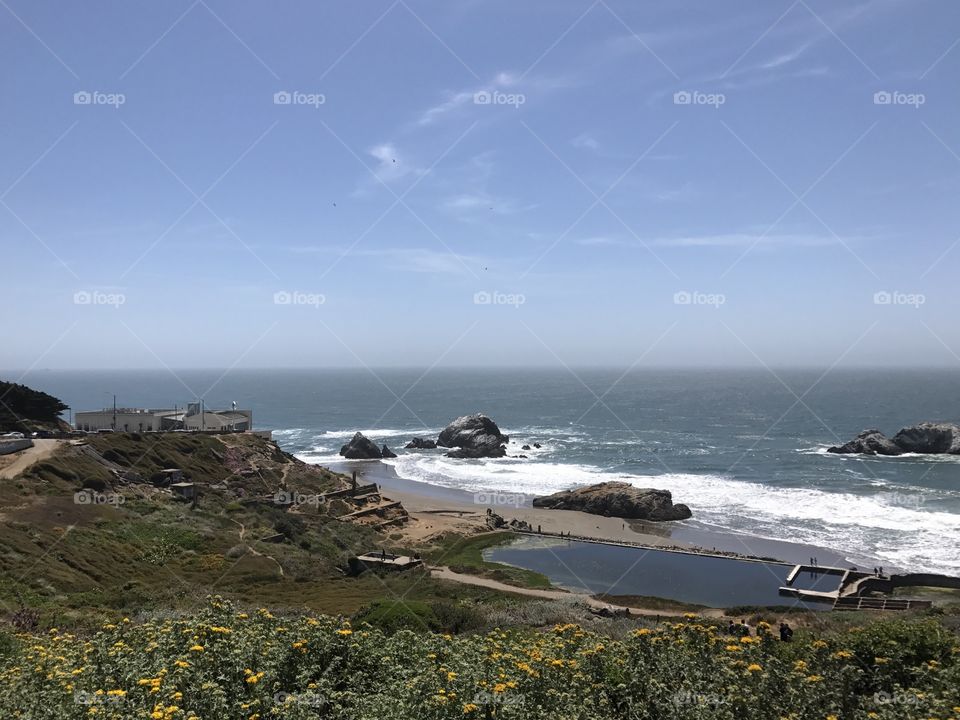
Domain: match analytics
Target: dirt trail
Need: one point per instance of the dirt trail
(251, 550)
(445, 573)
(16, 463)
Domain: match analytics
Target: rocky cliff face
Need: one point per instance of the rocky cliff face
(927, 438)
(473, 436)
(617, 499)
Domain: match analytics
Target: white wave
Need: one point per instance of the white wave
(815, 450)
(891, 526)
(514, 475)
(374, 433)
(314, 457)
(887, 526)
(926, 457)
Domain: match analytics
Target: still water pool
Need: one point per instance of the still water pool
(615, 570)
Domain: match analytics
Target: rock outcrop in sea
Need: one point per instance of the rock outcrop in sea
(473, 436)
(617, 499)
(386, 452)
(926, 438)
(869, 442)
(361, 447)
(419, 443)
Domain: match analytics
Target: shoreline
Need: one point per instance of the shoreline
(435, 510)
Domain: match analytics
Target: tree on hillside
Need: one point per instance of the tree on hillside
(21, 406)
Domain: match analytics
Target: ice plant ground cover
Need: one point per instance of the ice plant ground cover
(225, 664)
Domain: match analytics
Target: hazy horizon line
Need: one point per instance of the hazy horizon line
(23, 372)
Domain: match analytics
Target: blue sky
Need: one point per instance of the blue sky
(692, 183)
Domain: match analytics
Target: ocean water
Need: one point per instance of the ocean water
(746, 450)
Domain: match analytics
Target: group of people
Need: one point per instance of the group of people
(742, 629)
(878, 571)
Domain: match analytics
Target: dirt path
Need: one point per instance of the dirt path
(251, 550)
(444, 573)
(14, 464)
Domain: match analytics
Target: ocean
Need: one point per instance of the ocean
(745, 449)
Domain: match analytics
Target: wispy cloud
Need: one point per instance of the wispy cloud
(586, 142)
(390, 166)
(684, 193)
(748, 240)
(601, 241)
(501, 82)
(403, 259)
(720, 240)
(469, 203)
(424, 260)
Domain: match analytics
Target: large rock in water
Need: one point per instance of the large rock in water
(473, 436)
(927, 438)
(617, 499)
(869, 442)
(360, 447)
(934, 438)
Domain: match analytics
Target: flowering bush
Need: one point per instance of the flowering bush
(225, 664)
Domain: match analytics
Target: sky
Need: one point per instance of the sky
(203, 183)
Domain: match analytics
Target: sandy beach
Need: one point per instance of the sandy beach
(436, 510)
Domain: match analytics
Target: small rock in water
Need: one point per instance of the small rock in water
(419, 443)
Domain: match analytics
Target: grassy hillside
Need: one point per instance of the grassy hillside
(222, 664)
(465, 555)
(86, 534)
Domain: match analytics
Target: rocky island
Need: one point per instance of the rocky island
(617, 499)
(473, 436)
(361, 447)
(926, 438)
